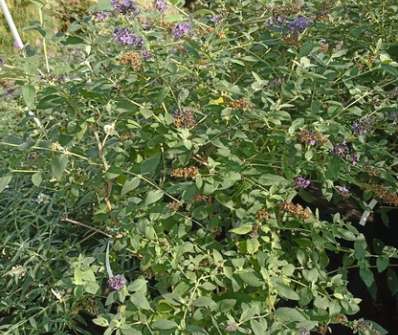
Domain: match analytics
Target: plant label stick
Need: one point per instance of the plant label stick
(11, 24)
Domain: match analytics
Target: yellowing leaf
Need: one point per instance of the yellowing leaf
(219, 101)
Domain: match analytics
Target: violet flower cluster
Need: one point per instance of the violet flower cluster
(160, 5)
(117, 282)
(344, 151)
(362, 126)
(125, 6)
(299, 24)
(301, 182)
(146, 55)
(101, 15)
(126, 37)
(181, 29)
(294, 26)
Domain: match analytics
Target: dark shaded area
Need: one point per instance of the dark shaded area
(382, 307)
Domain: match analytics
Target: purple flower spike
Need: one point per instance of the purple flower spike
(125, 6)
(117, 282)
(301, 182)
(299, 24)
(126, 37)
(341, 150)
(354, 158)
(101, 16)
(160, 5)
(181, 29)
(362, 126)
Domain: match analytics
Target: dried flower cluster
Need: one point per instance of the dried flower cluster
(262, 215)
(133, 59)
(385, 195)
(202, 198)
(188, 172)
(296, 210)
(184, 118)
(239, 104)
(174, 206)
(311, 137)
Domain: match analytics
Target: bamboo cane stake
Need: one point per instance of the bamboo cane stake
(14, 31)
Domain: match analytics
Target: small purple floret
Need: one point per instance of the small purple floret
(301, 182)
(126, 37)
(181, 29)
(101, 16)
(146, 55)
(341, 150)
(117, 282)
(362, 126)
(299, 24)
(160, 5)
(125, 6)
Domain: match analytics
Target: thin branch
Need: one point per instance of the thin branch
(81, 224)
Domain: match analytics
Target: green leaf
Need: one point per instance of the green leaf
(29, 94)
(250, 278)
(205, 302)
(101, 321)
(288, 314)
(37, 179)
(138, 285)
(153, 196)
(226, 305)
(284, 290)
(242, 230)
(259, 326)
(392, 281)
(366, 275)
(382, 263)
(229, 179)
(58, 165)
(252, 246)
(130, 185)
(130, 331)
(271, 179)
(4, 181)
(164, 324)
(140, 301)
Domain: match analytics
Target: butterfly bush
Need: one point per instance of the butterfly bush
(226, 154)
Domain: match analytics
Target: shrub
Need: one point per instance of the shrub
(215, 160)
